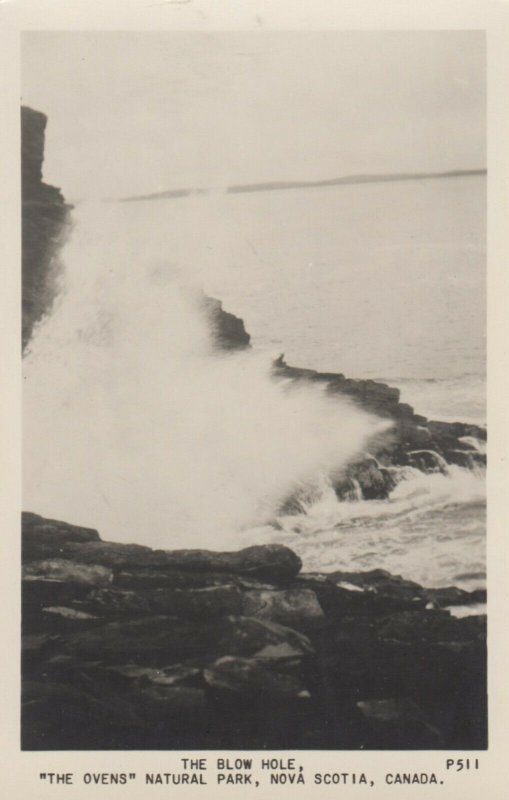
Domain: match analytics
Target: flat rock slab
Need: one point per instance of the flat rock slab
(161, 640)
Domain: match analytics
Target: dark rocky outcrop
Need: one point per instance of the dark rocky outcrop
(228, 331)
(45, 220)
(158, 649)
(412, 441)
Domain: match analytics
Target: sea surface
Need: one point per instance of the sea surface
(382, 281)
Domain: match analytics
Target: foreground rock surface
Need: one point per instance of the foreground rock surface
(125, 647)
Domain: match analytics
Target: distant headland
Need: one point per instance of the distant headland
(277, 186)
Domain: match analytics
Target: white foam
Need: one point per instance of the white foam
(133, 426)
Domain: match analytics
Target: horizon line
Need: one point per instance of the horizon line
(271, 186)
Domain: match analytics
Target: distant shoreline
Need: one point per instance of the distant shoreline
(272, 186)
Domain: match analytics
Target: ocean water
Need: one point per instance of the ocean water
(133, 426)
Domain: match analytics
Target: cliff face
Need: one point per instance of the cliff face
(45, 217)
(228, 331)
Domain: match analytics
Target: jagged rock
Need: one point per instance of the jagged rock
(228, 331)
(293, 607)
(347, 489)
(249, 677)
(427, 461)
(366, 478)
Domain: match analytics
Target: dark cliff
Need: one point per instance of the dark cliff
(45, 218)
(228, 331)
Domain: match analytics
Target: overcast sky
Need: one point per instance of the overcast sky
(131, 113)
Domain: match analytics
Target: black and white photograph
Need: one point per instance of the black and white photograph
(254, 390)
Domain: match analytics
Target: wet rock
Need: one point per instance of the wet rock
(347, 489)
(427, 461)
(380, 582)
(450, 431)
(291, 506)
(251, 678)
(293, 607)
(374, 482)
(418, 436)
(65, 571)
(468, 459)
(452, 596)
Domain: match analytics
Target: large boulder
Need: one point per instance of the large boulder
(267, 562)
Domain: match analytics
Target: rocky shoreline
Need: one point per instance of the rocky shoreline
(125, 647)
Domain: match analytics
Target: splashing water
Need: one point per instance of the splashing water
(431, 530)
(134, 426)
